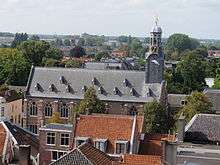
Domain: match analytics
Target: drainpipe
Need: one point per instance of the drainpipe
(132, 136)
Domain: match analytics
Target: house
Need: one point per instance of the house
(55, 141)
(199, 140)
(119, 54)
(214, 97)
(123, 91)
(176, 101)
(11, 106)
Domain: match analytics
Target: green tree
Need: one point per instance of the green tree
(191, 73)
(34, 51)
(14, 68)
(50, 62)
(55, 118)
(136, 48)
(59, 42)
(81, 42)
(73, 64)
(155, 118)
(77, 52)
(197, 103)
(101, 55)
(67, 42)
(90, 103)
(19, 38)
(54, 53)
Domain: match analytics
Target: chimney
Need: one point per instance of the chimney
(169, 152)
(181, 128)
(24, 154)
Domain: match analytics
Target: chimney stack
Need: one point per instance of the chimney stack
(24, 154)
(169, 152)
(181, 128)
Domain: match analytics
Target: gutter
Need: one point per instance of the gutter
(132, 135)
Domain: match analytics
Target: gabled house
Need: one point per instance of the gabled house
(112, 134)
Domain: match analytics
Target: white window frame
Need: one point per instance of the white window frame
(101, 144)
(121, 142)
(82, 140)
(50, 144)
(63, 136)
(57, 152)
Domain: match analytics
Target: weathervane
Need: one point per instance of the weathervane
(156, 20)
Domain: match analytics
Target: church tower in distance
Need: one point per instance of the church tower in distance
(155, 58)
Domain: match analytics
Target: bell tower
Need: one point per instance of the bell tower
(155, 58)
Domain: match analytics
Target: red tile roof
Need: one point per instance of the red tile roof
(111, 127)
(2, 138)
(140, 160)
(151, 145)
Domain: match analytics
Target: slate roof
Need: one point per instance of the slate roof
(2, 138)
(110, 127)
(56, 126)
(85, 154)
(203, 128)
(175, 100)
(22, 136)
(42, 78)
(214, 96)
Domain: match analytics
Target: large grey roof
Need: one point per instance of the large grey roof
(108, 80)
(203, 128)
(213, 96)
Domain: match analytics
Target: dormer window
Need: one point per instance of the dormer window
(132, 92)
(116, 91)
(121, 147)
(37, 87)
(101, 90)
(68, 89)
(84, 88)
(126, 83)
(62, 80)
(101, 144)
(94, 81)
(81, 140)
(52, 88)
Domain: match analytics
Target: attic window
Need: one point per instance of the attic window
(37, 87)
(94, 81)
(116, 91)
(121, 147)
(62, 80)
(101, 144)
(132, 92)
(84, 88)
(52, 88)
(81, 140)
(126, 82)
(101, 90)
(68, 88)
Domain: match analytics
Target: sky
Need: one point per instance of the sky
(197, 18)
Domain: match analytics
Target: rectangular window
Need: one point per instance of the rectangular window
(32, 128)
(51, 138)
(101, 145)
(64, 139)
(121, 147)
(57, 154)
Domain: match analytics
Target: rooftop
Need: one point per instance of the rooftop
(2, 138)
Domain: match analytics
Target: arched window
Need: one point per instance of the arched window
(64, 110)
(33, 109)
(48, 110)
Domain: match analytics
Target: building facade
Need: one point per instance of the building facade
(124, 92)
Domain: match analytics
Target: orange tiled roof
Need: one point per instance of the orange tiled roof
(111, 127)
(141, 160)
(2, 138)
(151, 145)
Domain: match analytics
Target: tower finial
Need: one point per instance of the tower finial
(156, 20)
